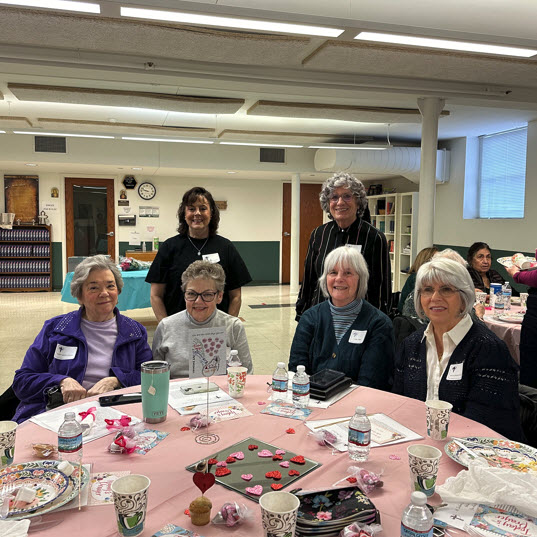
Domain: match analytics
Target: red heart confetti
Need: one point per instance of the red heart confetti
(268, 475)
(277, 458)
(276, 486)
(251, 447)
(290, 431)
(187, 512)
(222, 471)
(299, 459)
(203, 481)
(351, 479)
(294, 472)
(212, 461)
(185, 428)
(229, 460)
(274, 474)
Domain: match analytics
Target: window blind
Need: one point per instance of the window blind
(502, 174)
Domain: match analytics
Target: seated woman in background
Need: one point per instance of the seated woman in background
(203, 286)
(456, 359)
(479, 261)
(423, 256)
(86, 352)
(345, 333)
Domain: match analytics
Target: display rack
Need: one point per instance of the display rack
(26, 258)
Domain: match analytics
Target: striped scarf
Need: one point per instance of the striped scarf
(343, 317)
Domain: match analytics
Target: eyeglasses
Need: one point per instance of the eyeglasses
(444, 292)
(206, 296)
(345, 197)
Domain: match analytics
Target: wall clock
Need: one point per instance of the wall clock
(147, 191)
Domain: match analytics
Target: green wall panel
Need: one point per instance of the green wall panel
(261, 257)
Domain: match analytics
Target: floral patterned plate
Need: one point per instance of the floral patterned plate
(48, 483)
(498, 452)
(70, 492)
(511, 317)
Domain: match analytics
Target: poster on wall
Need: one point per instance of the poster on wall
(21, 193)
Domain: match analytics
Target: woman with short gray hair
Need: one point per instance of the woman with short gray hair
(454, 358)
(345, 333)
(343, 198)
(86, 352)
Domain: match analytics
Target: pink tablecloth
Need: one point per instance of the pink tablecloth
(507, 332)
(172, 489)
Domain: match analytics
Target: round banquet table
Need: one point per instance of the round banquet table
(509, 333)
(172, 489)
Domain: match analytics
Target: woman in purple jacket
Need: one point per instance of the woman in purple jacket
(86, 352)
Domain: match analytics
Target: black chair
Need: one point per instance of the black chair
(8, 404)
(528, 413)
(393, 307)
(403, 326)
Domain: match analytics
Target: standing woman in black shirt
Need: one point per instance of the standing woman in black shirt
(197, 240)
(343, 198)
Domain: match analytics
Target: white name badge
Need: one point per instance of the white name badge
(357, 336)
(65, 353)
(455, 372)
(212, 258)
(357, 246)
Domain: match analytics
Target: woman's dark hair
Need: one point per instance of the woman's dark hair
(189, 198)
(474, 249)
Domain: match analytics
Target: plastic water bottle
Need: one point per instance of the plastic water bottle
(301, 387)
(417, 520)
(507, 293)
(279, 382)
(359, 435)
(70, 439)
(499, 303)
(234, 360)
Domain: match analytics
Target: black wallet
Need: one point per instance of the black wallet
(54, 397)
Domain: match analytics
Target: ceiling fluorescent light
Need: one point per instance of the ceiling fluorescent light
(229, 22)
(167, 140)
(66, 5)
(2, 132)
(260, 144)
(445, 44)
(63, 134)
(349, 147)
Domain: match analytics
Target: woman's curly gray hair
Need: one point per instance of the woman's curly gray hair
(204, 270)
(345, 180)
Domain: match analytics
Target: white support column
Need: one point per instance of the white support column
(430, 108)
(295, 232)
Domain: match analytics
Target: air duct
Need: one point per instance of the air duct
(403, 161)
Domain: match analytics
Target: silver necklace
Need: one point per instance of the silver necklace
(195, 247)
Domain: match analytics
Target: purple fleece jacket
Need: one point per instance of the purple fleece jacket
(40, 370)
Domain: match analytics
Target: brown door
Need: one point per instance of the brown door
(89, 217)
(311, 216)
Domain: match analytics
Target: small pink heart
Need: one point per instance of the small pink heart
(261, 403)
(264, 453)
(246, 477)
(257, 490)
(284, 464)
(280, 452)
(221, 464)
(239, 455)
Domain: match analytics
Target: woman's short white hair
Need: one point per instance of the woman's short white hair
(347, 257)
(95, 262)
(451, 254)
(444, 271)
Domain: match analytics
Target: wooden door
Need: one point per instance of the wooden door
(89, 217)
(311, 216)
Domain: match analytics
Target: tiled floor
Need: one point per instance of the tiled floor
(269, 330)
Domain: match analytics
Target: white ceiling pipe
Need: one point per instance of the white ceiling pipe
(403, 161)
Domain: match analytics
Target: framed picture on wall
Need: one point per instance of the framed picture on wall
(21, 193)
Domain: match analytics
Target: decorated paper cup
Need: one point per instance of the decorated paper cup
(438, 413)
(130, 501)
(7, 442)
(481, 297)
(423, 461)
(278, 513)
(236, 380)
(523, 300)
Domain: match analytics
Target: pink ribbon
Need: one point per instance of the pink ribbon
(90, 412)
(113, 425)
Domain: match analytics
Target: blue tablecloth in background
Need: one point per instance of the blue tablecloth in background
(135, 293)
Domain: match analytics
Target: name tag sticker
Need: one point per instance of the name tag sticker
(212, 258)
(357, 246)
(455, 372)
(63, 352)
(357, 336)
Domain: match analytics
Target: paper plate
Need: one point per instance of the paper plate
(508, 262)
(69, 494)
(511, 317)
(504, 453)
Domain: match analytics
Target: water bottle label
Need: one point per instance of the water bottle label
(407, 532)
(359, 438)
(279, 385)
(301, 389)
(69, 444)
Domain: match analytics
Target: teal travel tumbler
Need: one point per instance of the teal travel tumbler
(155, 389)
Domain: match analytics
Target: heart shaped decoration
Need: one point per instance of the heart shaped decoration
(352, 480)
(284, 464)
(251, 447)
(212, 461)
(238, 455)
(185, 428)
(257, 490)
(299, 459)
(280, 452)
(203, 481)
(290, 431)
(294, 472)
(230, 459)
(220, 472)
(264, 453)
(221, 464)
(246, 477)
(276, 486)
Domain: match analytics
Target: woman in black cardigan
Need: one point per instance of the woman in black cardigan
(455, 359)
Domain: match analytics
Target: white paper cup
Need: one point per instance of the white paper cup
(236, 381)
(278, 513)
(438, 413)
(481, 297)
(130, 501)
(7, 442)
(423, 461)
(523, 300)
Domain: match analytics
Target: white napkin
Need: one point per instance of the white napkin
(484, 484)
(14, 528)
